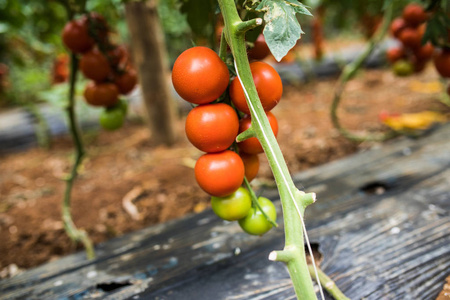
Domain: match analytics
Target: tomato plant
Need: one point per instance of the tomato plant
(268, 85)
(101, 94)
(255, 222)
(219, 174)
(112, 118)
(212, 127)
(199, 75)
(252, 145)
(234, 206)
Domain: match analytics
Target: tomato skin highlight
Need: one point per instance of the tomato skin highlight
(234, 206)
(212, 127)
(199, 75)
(255, 223)
(101, 94)
(219, 174)
(268, 85)
(94, 65)
(252, 145)
(75, 36)
(251, 165)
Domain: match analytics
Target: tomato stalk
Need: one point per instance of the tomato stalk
(255, 203)
(349, 72)
(293, 201)
(72, 231)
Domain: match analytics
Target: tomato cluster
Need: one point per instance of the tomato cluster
(104, 63)
(411, 56)
(200, 77)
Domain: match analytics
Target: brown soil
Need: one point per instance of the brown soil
(31, 185)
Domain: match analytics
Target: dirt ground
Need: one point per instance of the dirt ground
(32, 186)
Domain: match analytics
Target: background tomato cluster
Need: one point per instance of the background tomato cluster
(202, 78)
(105, 64)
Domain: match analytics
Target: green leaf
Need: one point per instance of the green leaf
(282, 29)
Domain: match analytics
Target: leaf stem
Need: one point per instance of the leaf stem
(328, 284)
(349, 72)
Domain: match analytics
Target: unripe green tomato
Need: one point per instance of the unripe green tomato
(403, 68)
(112, 118)
(123, 105)
(233, 207)
(255, 222)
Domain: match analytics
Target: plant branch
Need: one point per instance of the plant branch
(328, 284)
(292, 212)
(349, 72)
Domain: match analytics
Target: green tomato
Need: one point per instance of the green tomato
(232, 207)
(255, 222)
(123, 105)
(403, 68)
(112, 118)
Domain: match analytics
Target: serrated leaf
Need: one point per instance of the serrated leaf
(282, 29)
(299, 7)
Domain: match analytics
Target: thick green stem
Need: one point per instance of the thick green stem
(72, 231)
(349, 72)
(328, 284)
(293, 201)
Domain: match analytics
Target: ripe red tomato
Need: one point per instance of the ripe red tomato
(442, 62)
(397, 26)
(268, 85)
(260, 50)
(212, 127)
(219, 174)
(414, 14)
(252, 145)
(101, 94)
(232, 207)
(411, 38)
(75, 37)
(255, 222)
(199, 75)
(395, 54)
(251, 165)
(126, 82)
(425, 52)
(95, 66)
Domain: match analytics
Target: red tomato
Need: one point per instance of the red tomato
(268, 85)
(260, 50)
(126, 82)
(397, 27)
(424, 53)
(251, 165)
(75, 37)
(252, 145)
(199, 75)
(101, 94)
(98, 25)
(411, 38)
(395, 54)
(442, 62)
(414, 14)
(95, 66)
(212, 127)
(219, 174)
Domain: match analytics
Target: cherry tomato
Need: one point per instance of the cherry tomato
(126, 82)
(118, 54)
(397, 27)
(255, 222)
(98, 25)
(414, 14)
(411, 37)
(234, 206)
(425, 52)
(395, 54)
(403, 68)
(123, 104)
(212, 127)
(260, 50)
(252, 145)
(95, 66)
(268, 85)
(219, 174)
(75, 37)
(199, 75)
(112, 118)
(442, 62)
(251, 165)
(101, 94)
